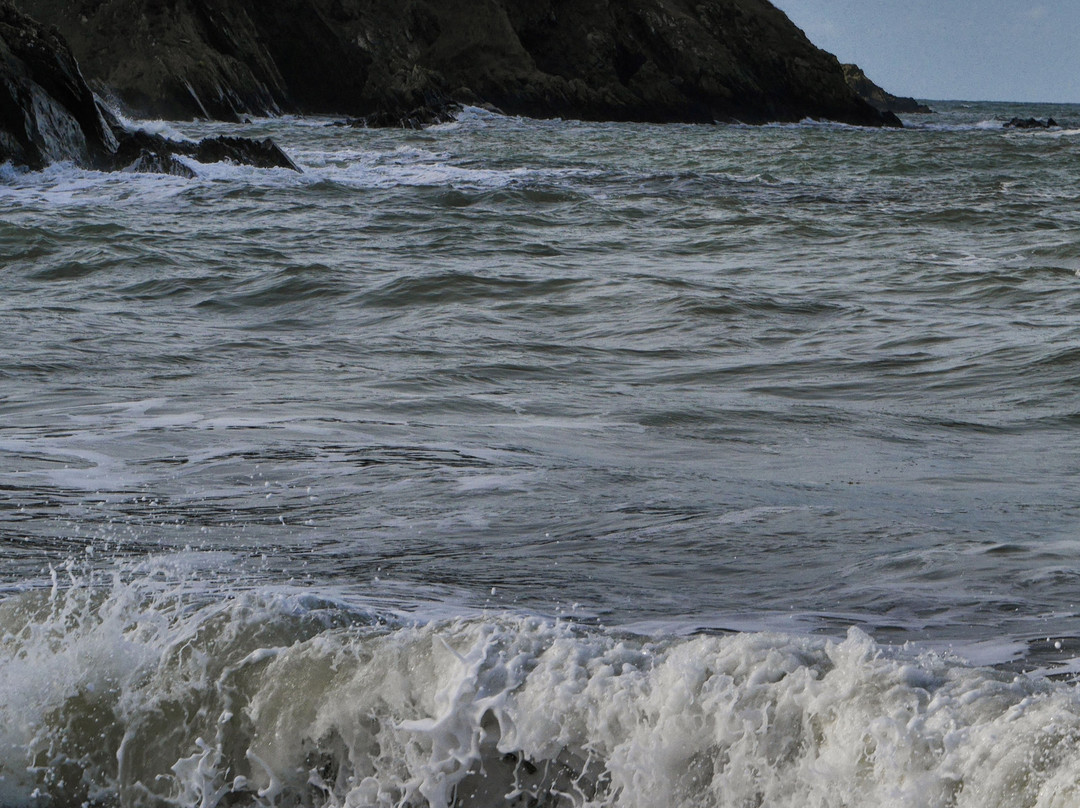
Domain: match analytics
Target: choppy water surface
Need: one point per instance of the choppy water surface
(547, 463)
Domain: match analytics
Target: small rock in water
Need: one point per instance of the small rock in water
(259, 153)
(416, 118)
(1031, 123)
(149, 162)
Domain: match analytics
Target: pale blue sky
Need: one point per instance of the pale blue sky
(974, 50)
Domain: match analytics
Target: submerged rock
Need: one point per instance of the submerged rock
(635, 60)
(879, 98)
(48, 113)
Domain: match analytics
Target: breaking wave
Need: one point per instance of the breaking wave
(144, 691)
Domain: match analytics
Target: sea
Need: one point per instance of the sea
(546, 463)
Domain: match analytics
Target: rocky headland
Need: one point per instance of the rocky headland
(391, 61)
(879, 98)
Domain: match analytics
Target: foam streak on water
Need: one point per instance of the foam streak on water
(547, 463)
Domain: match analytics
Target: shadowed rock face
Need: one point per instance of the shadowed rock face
(49, 114)
(643, 60)
(184, 59)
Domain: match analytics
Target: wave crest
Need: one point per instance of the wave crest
(141, 692)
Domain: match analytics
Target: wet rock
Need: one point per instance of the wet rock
(154, 151)
(149, 162)
(879, 98)
(48, 113)
(244, 151)
(215, 59)
(417, 118)
(384, 60)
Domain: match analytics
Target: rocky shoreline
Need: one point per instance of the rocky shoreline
(384, 64)
(398, 60)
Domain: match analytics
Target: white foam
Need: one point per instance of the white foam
(149, 689)
(152, 126)
(469, 114)
(65, 185)
(418, 168)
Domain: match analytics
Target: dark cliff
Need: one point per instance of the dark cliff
(641, 60)
(49, 114)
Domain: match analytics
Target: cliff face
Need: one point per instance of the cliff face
(205, 58)
(48, 114)
(645, 60)
(662, 60)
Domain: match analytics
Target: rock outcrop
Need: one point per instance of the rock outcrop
(48, 113)
(144, 151)
(1031, 123)
(879, 98)
(635, 60)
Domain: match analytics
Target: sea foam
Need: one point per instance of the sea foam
(144, 691)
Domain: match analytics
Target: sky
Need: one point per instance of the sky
(972, 50)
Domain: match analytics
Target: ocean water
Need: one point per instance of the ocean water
(546, 463)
